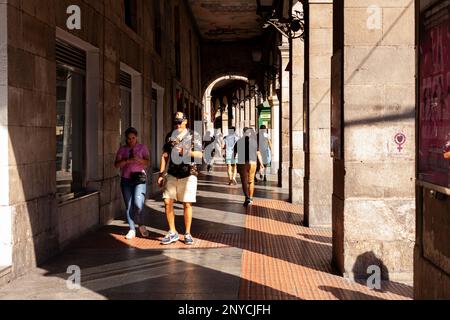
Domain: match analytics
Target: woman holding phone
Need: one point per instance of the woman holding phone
(133, 159)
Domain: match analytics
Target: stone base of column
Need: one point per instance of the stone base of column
(296, 185)
(372, 239)
(319, 211)
(275, 167)
(283, 175)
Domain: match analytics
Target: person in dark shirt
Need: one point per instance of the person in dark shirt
(181, 154)
(248, 155)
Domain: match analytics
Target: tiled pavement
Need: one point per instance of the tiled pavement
(259, 253)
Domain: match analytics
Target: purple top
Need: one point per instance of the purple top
(140, 151)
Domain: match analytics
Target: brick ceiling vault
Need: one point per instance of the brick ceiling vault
(227, 20)
(230, 31)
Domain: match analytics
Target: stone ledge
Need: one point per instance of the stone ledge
(5, 270)
(5, 274)
(84, 196)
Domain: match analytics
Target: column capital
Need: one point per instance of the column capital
(284, 49)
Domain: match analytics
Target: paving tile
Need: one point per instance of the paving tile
(263, 252)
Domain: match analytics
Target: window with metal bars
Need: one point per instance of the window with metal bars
(125, 103)
(70, 120)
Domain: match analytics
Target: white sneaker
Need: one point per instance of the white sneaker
(131, 235)
(143, 231)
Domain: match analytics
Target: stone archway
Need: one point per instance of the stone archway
(224, 59)
(207, 94)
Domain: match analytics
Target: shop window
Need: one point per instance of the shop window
(70, 121)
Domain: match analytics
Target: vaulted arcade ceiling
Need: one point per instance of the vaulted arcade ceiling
(227, 20)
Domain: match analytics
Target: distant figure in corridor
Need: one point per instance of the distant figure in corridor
(132, 159)
(230, 158)
(218, 145)
(446, 149)
(248, 155)
(265, 146)
(181, 154)
(208, 146)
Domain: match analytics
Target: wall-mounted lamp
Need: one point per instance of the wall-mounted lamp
(292, 27)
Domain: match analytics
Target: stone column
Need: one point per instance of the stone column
(296, 101)
(242, 107)
(247, 112)
(208, 111)
(253, 112)
(225, 116)
(320, 178)
(275, 134)
(285, 116)
(237, 114)
(234, 116)
(242, 110)
(374, 191)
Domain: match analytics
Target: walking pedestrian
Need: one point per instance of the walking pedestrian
(446, 149)
(132, 159)
(265, 145)
(208, 146)
(218, 145)
(230, 158)
(248, 154)
(181, 155)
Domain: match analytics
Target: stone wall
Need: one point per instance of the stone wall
(41, 227)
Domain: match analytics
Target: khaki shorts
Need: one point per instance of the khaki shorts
(247, 171)
(182, 190)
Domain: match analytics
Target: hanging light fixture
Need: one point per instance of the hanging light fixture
(292, 27)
